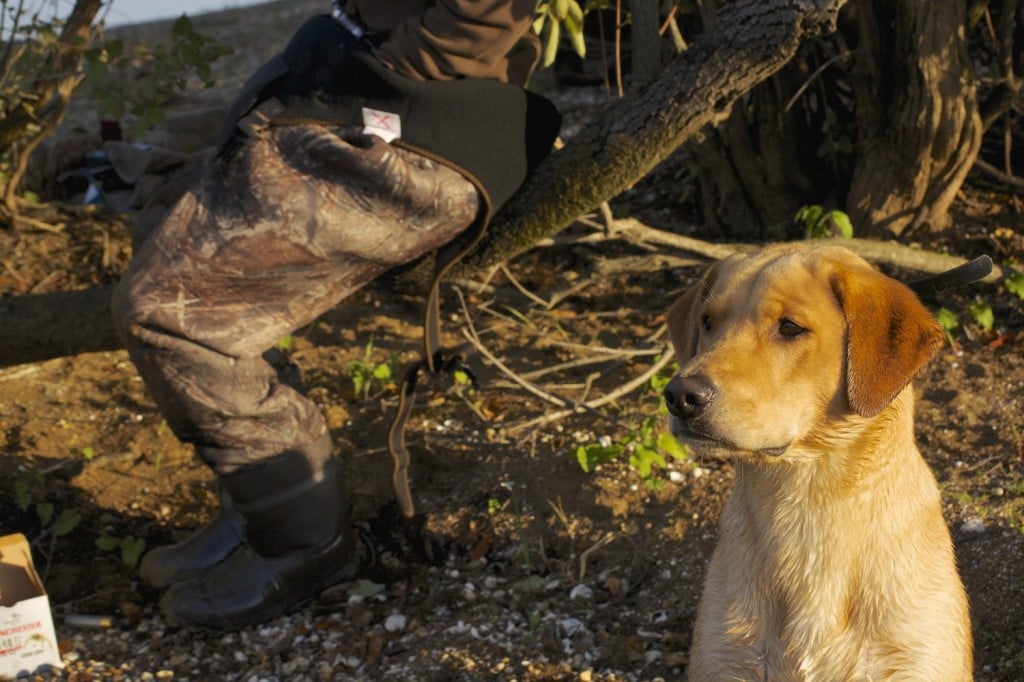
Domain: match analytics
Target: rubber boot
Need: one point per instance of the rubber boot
(298, 542)
(207, 547)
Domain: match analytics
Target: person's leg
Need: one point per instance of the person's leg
(299, 218)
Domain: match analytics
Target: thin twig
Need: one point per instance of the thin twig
(1006, 178)
(813, 77)
(585, 554)
(521, 289)
(535, 390)
(562, 366)
(624, 389)
(470, 333)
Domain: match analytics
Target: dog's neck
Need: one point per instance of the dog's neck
(835, 504)
(854, 456)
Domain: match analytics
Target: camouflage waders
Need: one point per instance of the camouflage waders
(295, 220)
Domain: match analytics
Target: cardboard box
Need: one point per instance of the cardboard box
(27, 638)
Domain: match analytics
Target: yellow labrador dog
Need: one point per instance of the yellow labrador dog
(834, 561)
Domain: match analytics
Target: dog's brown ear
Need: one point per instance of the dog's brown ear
(890, 337)
(683, 316)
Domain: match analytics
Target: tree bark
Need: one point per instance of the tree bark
(644, 42)
(919, 130)
(749, 41)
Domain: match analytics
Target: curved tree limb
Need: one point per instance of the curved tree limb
(749, 41)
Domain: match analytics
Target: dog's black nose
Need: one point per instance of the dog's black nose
(686, 397)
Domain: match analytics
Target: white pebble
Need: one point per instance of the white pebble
(570, 626)
(581, 592)
(973, 526)
(395, 622)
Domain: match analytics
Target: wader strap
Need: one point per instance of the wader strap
(434, 360)
(969, 272)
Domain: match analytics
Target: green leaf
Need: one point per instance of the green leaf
(382, 372)
(67, 521)
(644, 460)
(131, 550)
(22, 498)
(1015, 284)
(107, 542)
(44, 510)
(948, 320)
(668, 443)
(551, 44)
(593, 455)
(840, 223)
(983, 315)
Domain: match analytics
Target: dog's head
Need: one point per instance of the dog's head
(775, 346)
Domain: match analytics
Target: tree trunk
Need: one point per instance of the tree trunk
(644, 42)
(919, 130)
(749, 41)
(879, 120)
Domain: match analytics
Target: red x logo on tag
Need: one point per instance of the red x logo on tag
(384, 124)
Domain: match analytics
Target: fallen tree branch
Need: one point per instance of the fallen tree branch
(45, 326)
(878, 252)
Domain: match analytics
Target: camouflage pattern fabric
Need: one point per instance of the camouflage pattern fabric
(289, 225)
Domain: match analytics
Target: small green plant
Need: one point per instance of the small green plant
(648, 445)
(53, 524)
(131, 547)
(949, 321)
(650, 441)
(59, 524)
(982, 314)
(593, 455)
(818, 223)
(366, 373)
(1015, 284)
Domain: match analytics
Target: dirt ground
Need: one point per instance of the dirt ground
(520, 564)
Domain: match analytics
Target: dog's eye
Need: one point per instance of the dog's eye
(790, 329)
(705, 322)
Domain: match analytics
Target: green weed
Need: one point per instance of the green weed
(1015, 284)
(131, 547)
(818, 223)
(949, 321)
(982, 314)
(367, 374)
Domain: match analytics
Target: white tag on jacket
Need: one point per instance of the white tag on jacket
(383, 124)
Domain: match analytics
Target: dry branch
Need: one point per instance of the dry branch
(44, 326)
(879, 252)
